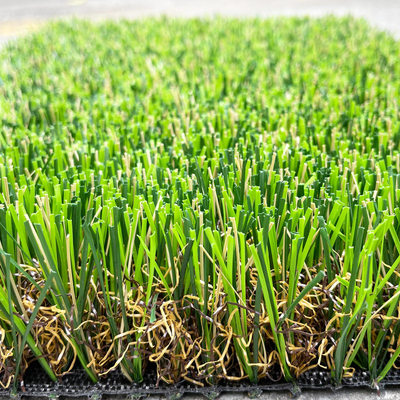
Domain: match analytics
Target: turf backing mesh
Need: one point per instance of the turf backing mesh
(76, 384)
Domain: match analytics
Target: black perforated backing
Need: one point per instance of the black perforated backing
(76, 384)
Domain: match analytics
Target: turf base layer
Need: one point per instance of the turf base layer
(76, 384)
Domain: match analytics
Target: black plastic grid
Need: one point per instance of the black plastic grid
(76, 384)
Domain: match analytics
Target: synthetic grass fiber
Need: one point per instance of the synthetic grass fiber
(215, 199)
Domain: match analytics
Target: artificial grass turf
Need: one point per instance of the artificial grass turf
(218, 198)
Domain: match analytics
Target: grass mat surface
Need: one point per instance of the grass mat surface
(218, 199)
